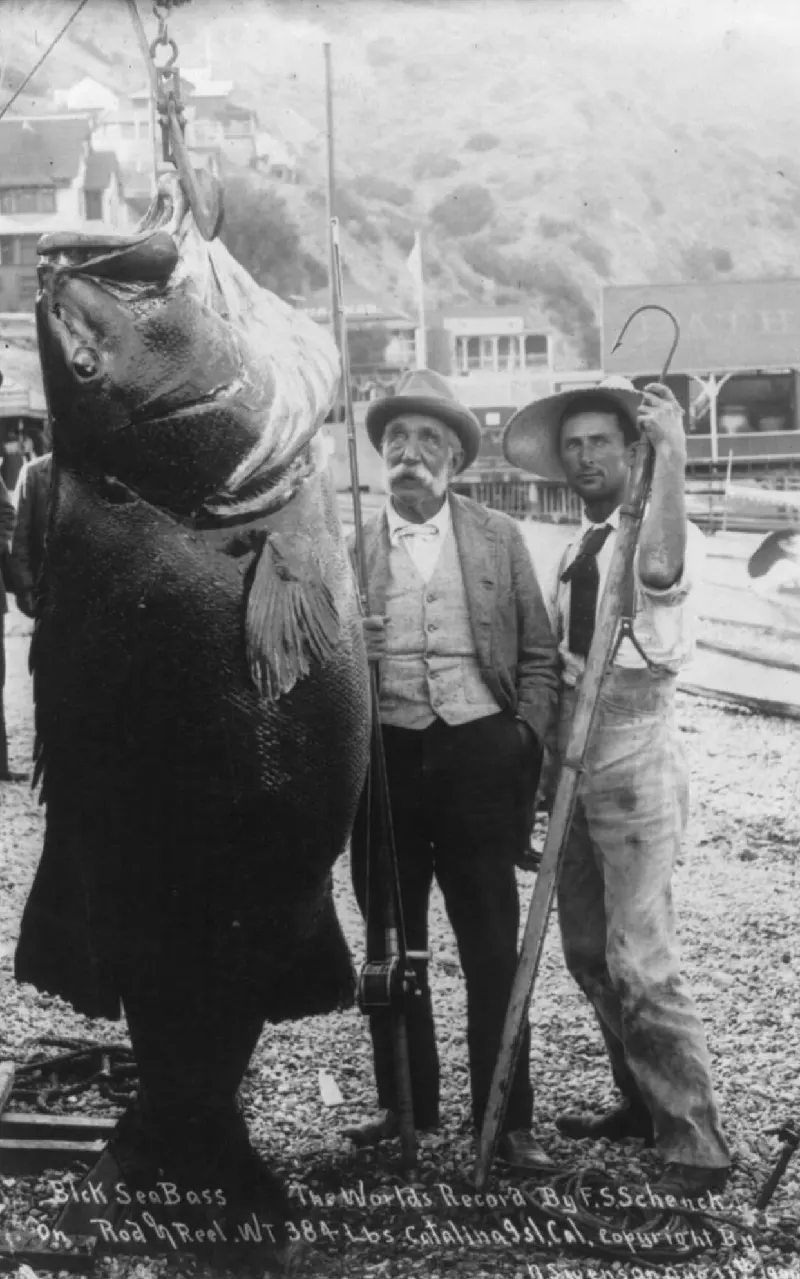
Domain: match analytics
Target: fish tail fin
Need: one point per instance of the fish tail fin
(291, 616)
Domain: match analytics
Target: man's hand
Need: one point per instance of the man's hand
(375, 637)
(661, 417)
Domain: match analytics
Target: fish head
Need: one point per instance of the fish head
(167, 367)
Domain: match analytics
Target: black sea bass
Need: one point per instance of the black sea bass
(200, 680)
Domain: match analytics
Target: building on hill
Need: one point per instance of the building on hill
(380, 339)
(87, 95)
(274, 158)
(51, 179)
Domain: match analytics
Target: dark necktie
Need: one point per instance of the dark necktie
(584, 576)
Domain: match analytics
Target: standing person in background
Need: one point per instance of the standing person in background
(615, 893)
(467, 673)
(7, 517)
(27, 549)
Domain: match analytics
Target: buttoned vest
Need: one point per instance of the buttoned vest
(431, 668)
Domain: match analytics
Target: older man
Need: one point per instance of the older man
(615, 895)
(467, 672)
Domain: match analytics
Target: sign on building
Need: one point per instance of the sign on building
(748, 324)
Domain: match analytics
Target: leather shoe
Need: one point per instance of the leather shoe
(627, 1120)
(521, 1150)
(690, 1181)
(383, 1128)
(373, 1131)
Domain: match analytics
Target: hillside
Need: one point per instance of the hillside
(543, 148)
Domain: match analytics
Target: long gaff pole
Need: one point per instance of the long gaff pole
(599, 659)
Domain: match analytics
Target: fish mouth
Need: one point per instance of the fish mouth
(148, 255)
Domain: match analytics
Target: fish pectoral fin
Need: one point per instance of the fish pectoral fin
(291, 616)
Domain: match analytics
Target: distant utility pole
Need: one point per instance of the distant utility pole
(331, 209)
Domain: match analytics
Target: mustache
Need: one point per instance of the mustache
(415, 470)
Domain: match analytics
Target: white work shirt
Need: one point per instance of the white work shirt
(423, 542)
(664, 622)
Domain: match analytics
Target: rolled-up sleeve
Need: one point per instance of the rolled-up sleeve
(690, 578)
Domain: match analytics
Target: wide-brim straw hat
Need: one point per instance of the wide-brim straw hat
(426, 392)
(531, 437)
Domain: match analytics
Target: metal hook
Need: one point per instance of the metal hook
(652, 306)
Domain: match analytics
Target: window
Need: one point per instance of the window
(535, 349)
(93, 203)
(28, 200)
(9, 250)
(28, 256)
(473, 353)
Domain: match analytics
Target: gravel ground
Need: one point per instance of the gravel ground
(736, 891)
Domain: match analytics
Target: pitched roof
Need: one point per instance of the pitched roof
(100, 167)
(41, 151)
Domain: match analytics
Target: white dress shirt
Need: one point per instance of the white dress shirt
(423, 542)
(664, 621)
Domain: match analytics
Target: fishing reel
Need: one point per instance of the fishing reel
(384, 983)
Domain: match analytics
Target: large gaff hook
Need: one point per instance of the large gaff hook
(652, 306)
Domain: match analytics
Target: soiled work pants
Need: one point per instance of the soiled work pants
(461, 802)
(617, 916)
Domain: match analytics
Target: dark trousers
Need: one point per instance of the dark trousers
(461, 800)
(3, 732)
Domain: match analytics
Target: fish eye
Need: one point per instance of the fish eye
(85, 362)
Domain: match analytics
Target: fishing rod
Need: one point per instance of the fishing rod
(613, 617)
(386, 983)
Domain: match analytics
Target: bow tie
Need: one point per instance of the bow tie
(415, 530)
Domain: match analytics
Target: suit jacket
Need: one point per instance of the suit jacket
(514, 641)
(33, 505)
(7, 518)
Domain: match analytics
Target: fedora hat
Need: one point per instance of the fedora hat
(531, 437)
(424, 391)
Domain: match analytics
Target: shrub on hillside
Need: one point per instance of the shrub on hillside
(702, 263)
(550, 228)
(464, 210)
(434, 164)
(259, 232)
(400, 229)
(597, 255)
(482, 142)
(373, 187)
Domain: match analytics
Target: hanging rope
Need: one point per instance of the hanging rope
(46, 53)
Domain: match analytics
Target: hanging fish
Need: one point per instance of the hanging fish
(199, 674)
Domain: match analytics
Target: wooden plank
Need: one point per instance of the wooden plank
(20, 1125)
(783, 710)
(19, 1157)
(729, 604)
(7, 1069)
(743, 683)
(748, 655)
(79, 1258)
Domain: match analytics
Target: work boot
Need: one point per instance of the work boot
(521, 1150)
(383, 1128)
(690, 1181)
(630, 1119)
